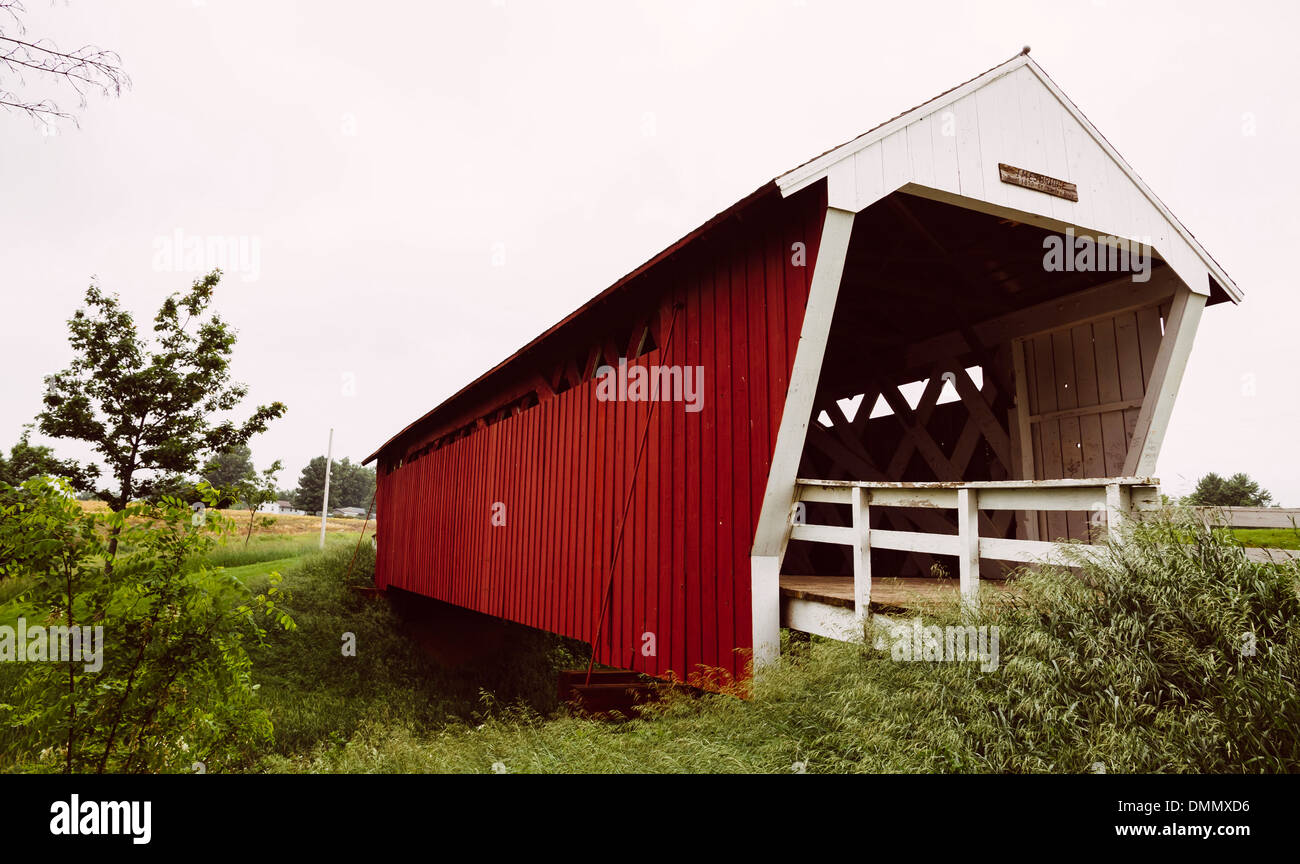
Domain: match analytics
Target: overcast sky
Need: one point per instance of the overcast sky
(428, 186)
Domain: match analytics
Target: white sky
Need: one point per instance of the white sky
(585, 137)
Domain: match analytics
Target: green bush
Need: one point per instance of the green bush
(166, 682)
(1172, 652)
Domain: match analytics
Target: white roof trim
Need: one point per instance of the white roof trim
(809, 173)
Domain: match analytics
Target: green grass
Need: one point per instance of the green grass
(270, 547)
(1269, 538)
(319, 698)
(1138, 666)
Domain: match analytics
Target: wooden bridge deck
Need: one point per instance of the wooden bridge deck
(886, 594)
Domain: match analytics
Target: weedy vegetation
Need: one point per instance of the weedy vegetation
(1168, 652)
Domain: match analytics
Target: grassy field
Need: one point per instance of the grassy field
(320, 698)
(1270, 538)
(1141, 670)
(281, 524)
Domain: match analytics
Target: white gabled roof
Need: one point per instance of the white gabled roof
(949, 148)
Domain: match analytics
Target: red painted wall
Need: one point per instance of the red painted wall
(562, 470)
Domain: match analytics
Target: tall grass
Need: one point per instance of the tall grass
(1171, 652)
(318, 697)
(233, 552)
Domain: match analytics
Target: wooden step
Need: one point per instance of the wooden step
(610, 692)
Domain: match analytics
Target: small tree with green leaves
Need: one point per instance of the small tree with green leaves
(27, 460)
(257, 492)
(146, 405)
(172, 683)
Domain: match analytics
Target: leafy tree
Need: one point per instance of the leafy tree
(146, 405)
(1236, 491)
(257, 491)
(229, 471)
(356, 484)
(178, 487)
(170, 683)
(27, 460)
(311, 485)
(230, 467)
(351, 485)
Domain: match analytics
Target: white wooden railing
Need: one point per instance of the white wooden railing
(1283, 518)
(1113, 497)
(1252, 517)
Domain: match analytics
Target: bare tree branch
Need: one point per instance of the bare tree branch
(88, 69)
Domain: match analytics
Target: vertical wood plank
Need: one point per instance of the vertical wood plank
(1109, 390)
(1028, 519)
(1132, 379)
(1071, 436)
(1049, 430)
(861, 556)
(968, 562)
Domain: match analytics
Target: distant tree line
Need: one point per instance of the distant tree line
(351, 485)
(232, 473)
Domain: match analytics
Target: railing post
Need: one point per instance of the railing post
(861, 556)
(968, 532)
(1117, 505)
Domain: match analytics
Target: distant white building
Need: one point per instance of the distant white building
(349, 512)
(284, 507)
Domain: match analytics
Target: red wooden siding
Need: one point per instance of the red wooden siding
(563, 469)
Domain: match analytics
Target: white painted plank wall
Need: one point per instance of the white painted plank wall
(1014, 119)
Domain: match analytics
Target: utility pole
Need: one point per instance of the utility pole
(325, 502)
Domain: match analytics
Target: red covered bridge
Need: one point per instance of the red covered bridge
(938, 348)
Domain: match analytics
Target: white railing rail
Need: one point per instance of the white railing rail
(1113, 497)
(1252, 517)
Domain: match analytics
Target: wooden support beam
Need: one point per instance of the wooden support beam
(542, 387)
(984, 416)
(860, 466)
(1166, 376)
(1122, 405)
(921, 438)
(636, 341)
(773, 527)
(857, 463)
(591, 363)
(860, 419)
(965, 449)
(943, 467)
(571, 373)
(609, 347)
(1101, 301)
(924, 408)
